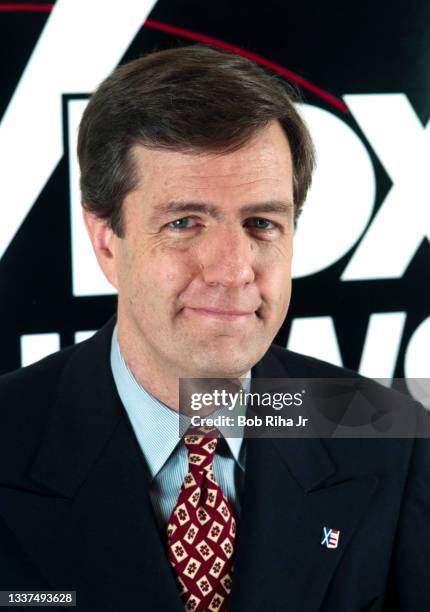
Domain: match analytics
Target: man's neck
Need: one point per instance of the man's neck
(161, 380)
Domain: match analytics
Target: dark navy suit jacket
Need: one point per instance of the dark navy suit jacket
(75, 512)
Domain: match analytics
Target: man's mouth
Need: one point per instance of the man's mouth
(229, 314)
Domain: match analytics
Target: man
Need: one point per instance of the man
(195, 166)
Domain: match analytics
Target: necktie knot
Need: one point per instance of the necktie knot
(201, 443)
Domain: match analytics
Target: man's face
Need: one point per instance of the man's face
(203, 271)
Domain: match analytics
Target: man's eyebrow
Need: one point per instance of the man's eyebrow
(174, 207)
(179, 207)
(283, 207)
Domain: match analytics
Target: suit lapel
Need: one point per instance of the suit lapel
(279, 554)
(291, 492)
(92, 527)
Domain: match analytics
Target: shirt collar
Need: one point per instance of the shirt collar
(156, 425)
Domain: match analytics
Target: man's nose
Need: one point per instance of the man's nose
(227, 258)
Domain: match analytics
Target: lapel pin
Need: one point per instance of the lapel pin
(330, 537)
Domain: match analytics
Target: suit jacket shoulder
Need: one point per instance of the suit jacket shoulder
(26, 399)
(302, 365)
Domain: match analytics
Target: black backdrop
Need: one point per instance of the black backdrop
(343, 48)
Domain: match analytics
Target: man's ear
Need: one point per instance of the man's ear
(103, 239)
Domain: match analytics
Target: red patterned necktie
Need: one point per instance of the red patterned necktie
(201, 530)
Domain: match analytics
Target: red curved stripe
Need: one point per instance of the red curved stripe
(214, 42)
(30, 8)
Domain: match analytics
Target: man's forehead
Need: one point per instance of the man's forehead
(266, 153)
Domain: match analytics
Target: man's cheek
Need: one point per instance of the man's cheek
(176, 271)
(281, 296)
(277, 282)
(276, 262)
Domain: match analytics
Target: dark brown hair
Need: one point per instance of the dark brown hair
(186, 99)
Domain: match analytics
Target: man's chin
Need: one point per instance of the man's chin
(229, 362)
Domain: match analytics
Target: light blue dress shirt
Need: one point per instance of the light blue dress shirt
(157, 431)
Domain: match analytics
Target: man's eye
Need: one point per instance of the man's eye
(183, 223)
(262, 224)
